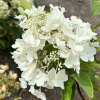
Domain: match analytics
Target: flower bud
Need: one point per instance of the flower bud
(15, 3)
(3, 88)
(4, 67)
(17, 86)
(13, 75)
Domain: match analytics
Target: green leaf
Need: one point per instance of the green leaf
(2, 44)
(73, 92)
(98, 39)
(49, 48)
(92, 74)
(95, 5)
(97, 49)
(6, 1)
(96, 88)
(92, 64)
(67, 92)
(93, 29)
(96, 26)
(21, 10)
(25, 4)
(84, 66)
(35, 3)
(70, 71)
(3, 23)
(85, 82)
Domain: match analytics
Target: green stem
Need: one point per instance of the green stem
(96, 26)
(21, 92)
(96, 59)
(19, 98)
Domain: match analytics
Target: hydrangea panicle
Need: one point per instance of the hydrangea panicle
(50, 43)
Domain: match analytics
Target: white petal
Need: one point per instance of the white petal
(74, 59)
(95, 44)
(71, 44)
(37, 93)
(79, 48)
(51, 77)
(60, 78)
(68, 63)
(84, 57)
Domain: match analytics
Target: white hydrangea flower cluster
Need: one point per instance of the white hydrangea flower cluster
(4, 10)
(17, 3)
(70, 39)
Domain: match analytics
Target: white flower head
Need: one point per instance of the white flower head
(65, 40)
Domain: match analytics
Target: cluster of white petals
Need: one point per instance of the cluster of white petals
(70, 39)
(4, 10)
